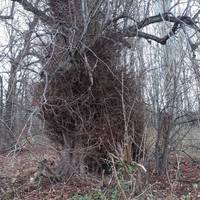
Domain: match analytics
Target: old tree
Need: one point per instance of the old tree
(92, 91)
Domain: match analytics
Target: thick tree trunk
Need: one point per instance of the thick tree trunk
(162, 142)
(9, 117)
(1, 109)
(1, 98)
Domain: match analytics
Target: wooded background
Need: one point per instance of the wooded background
(100, 74)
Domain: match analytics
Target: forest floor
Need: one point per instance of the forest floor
(181, 182)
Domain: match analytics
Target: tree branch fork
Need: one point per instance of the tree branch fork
(131, 31)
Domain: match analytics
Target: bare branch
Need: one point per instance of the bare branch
(11, 13)
(29, 7)
(134, 30)
(196, 15)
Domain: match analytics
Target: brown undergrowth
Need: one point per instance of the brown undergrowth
(181, 181)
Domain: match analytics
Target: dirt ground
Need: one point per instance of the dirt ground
(16, 170)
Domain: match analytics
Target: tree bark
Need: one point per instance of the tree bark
(9, 116)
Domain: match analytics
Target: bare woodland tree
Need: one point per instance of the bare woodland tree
(75, 32)
(18, 50)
